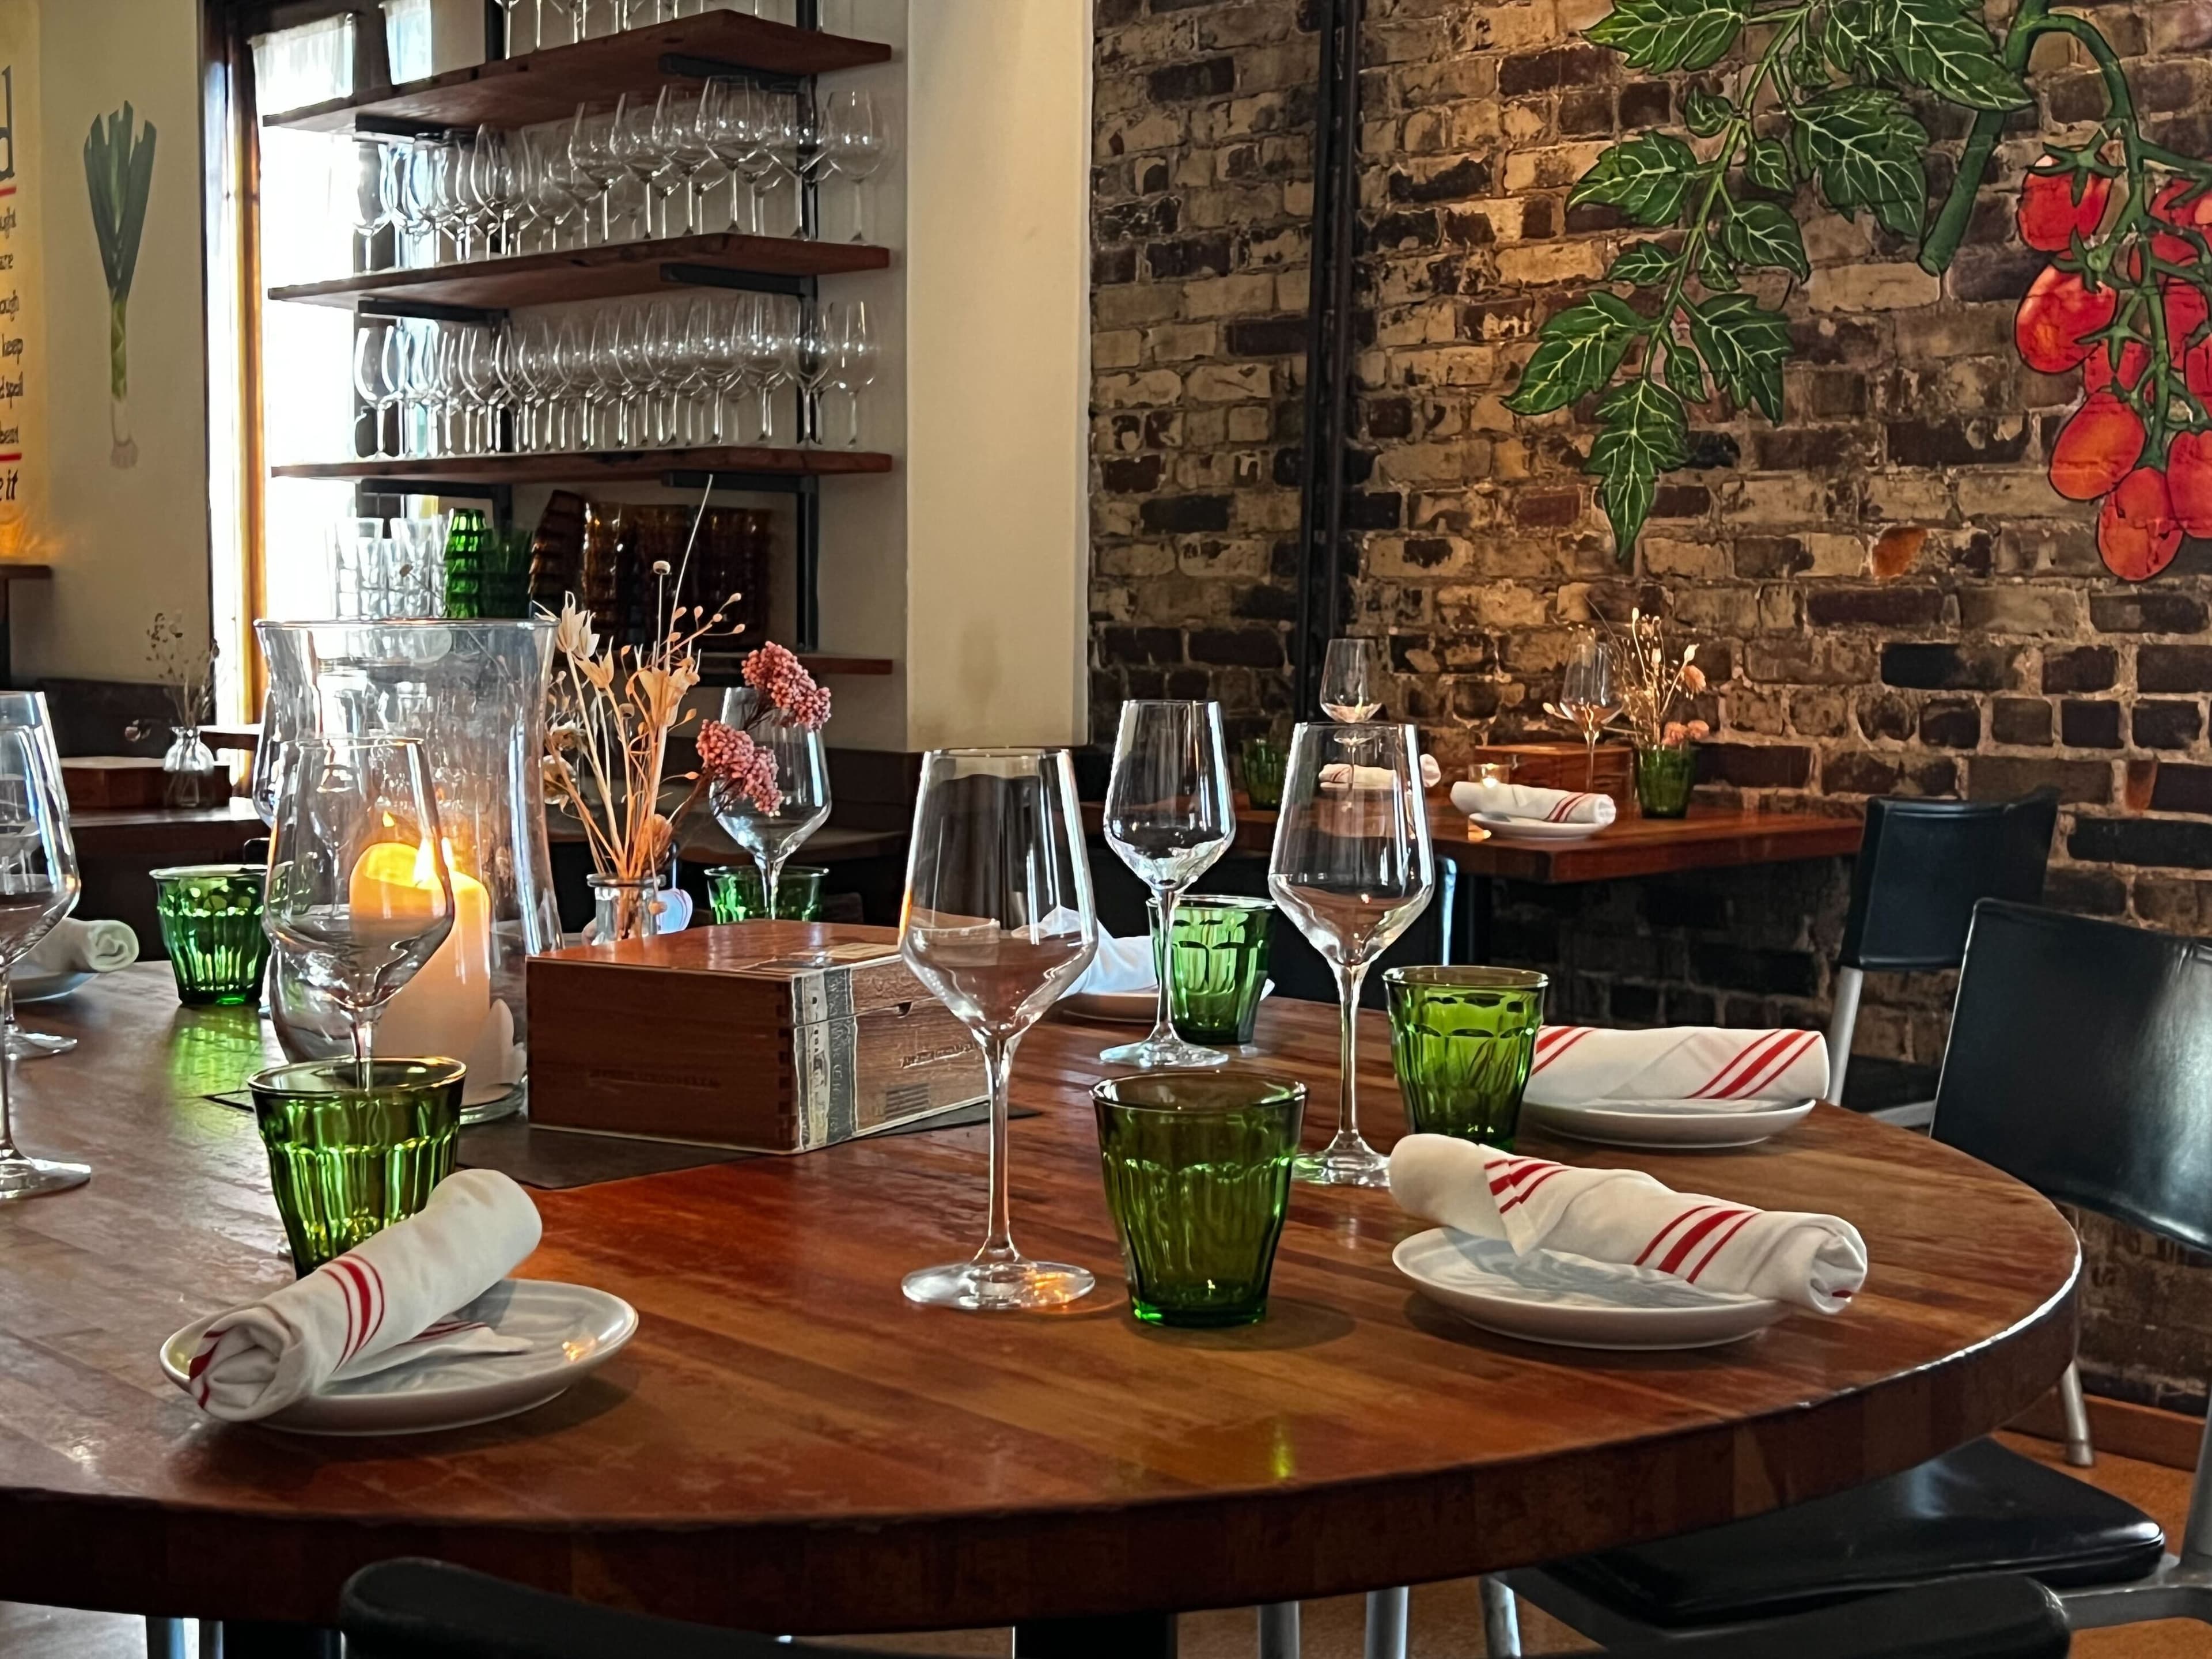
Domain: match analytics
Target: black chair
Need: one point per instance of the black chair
(426, 1610)
(1922, 866)
(2080, 1061)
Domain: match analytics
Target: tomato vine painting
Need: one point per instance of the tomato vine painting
(1822, 100)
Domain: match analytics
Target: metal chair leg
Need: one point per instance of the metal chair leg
(1501, 1620)
(2079, 1452)
(165, 1638)
(1279, 1630)
(1841, 1023)
(1386, 1622)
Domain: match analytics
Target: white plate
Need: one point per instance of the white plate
(1572, 1302)
(1670, 1122)
(572, 1330)
(1536, 829)
(1126, 1007)
(45, 987)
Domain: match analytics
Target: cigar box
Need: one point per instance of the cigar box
(1564, 766)
(93, 782)
(729, 1036)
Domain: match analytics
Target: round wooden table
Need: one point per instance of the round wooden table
(789, 1445)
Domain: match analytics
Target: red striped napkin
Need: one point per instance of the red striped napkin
(1816, 1261)
(388, 1302)
(1516, 800)
(1695, 1067)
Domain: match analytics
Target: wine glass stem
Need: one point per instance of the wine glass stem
(7, 1151)
(998, 1065)
(771, 873)
(1349, 976)
(1164, 964)
(363, 1024)
(1589, 759)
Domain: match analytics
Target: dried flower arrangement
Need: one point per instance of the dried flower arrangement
(186, 667)
(1652, 679)
(731, 761)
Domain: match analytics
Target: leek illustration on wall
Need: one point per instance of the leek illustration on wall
(118, 173)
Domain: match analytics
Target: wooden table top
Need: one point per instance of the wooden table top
(789, 1445)
(184, 833)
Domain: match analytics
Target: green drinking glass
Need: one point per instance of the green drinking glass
(733, 891)
(346, 1158)
(210, 917)
(1263, 761)
(1217, 965)
(1198, 1178)
(1462, 1040)
(1664, 779)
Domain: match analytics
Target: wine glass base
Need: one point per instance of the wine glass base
(33, 1178)
(999, 1286)
(36, 1045)
(1347, 1161)
(1152, 1053)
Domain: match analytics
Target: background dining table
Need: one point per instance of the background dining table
(787, 1445)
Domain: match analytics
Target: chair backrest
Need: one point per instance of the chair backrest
(2080, 1061)
(1924, 864)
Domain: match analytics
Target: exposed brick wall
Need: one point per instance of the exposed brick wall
(1888, 596)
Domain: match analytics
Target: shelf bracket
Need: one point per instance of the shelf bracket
(429, 310)
(399, 126)
(756, 282)
(758, 483)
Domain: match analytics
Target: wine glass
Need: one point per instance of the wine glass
(1586, 696)
(361, 884)
(1169, 815)
(997, 923)
(855, 145)
(816, 349)
(37, 887)
(802, 782)
(1351, 680)
(372, 372)
(856, 368)
(1352, 868)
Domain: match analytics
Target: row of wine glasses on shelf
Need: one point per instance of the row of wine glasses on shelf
(658, 373)
(674, 163)
(532, 24)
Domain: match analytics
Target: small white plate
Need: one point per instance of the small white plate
(1126, 1007)
(45, 987)
(1670, 1122)
(572, 1329)
(1572, 1302)
(1536, 829)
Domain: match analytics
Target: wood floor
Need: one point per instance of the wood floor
(1447, 1621)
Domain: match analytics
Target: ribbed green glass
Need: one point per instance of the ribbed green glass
(1462, 1040)
(1217, 965)
(733, 891)
(210, 916)
(1664, 779)
(347, 1160)
(1263, 761)
(1198, 1180)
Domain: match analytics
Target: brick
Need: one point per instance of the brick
(1738, 968)
(2019, 608)
(1755, 766)
(2085, 892)
(1187, 513)
(1268, 336)
(2181, 789)
(2166, 725)
(1951, 722)
(1947, 667)
(2173, 668)
(2006, 777)
(1252, 647)
(2166, 843)
(2086, 668)
(1210, 77)
(1882, 607)
(2086, 724)
(2022, 720)
(1140, 645)
(2145, 611)
(1975, 442)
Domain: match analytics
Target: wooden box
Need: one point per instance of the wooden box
(1565, 766)
(716, 1036)
(97, 782)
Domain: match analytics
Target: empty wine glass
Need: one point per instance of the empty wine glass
(591, 152)
(1351, 680)
(360, 885)
(39, 886)
(1352, 867)
(854, 370)
(1587, 697)
(770, 833)
(997, 923)
(1169, 815)
(372, 366)
(816, 351)
(855, 144)
(769, 346)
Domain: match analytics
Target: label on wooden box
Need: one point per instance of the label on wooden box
(735, 1036)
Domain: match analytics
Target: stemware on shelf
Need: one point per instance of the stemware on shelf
(802, 779)
(361, 887)
(1587, 693)
(39, 886)
(1169, 815)
(854, 370)
(854, 143)
(1351, 867)
(998, 922)
(1351, 680)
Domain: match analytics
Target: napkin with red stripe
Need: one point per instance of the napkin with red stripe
(1519, 800)
(1691, 1068)
(385, 1302)
(1815, 1261)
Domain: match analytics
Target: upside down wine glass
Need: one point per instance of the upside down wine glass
(1169, 815)
(997, 921)
(1352, 867)
(37, 887)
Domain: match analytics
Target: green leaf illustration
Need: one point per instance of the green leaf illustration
(1642, 264)
(1645, 178)
(1761, 233)
(1686, 374)
(1767, 165)
(1644, 430)
(1672, 34)
(1705, 114)
(1867, 148)
(1745, 346)
(1947, 51)
(1846, 32)
(1577, 351)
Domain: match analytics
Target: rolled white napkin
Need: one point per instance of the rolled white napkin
(1516, 800)
(1121, 965)
(382, 1303)
(82, 947)
(1815, 1261)
(1337, 777)
(1718, 1070)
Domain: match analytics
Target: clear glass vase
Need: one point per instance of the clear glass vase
(190, 774)
(474, 692)
(625, 908)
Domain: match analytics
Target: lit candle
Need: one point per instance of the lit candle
(446, 1008)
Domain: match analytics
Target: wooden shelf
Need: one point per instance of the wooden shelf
(593, 273)
(596, 467)
(548, 85)
(17, 570)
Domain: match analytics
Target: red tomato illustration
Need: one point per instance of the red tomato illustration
(2051, 214)
(2055, 318)
(2134, 357)
(2137, 533)
(2099, 447)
